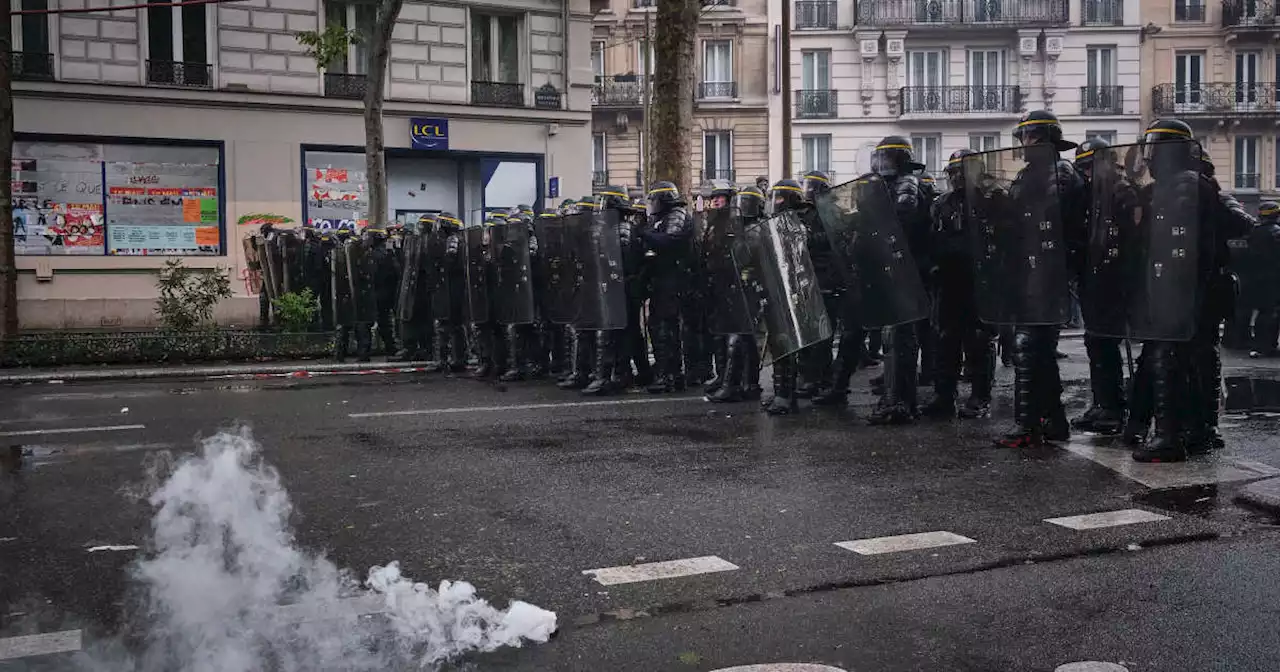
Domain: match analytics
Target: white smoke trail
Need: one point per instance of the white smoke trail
(226, 588)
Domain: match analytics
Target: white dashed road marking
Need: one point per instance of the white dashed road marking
(904, 542)
(1213, 469)
(781, 667)
(1091, 666)
(40, 645)
(1093, 521)
(112, 549)
(72, 430)
(522, 407)
(651, 571)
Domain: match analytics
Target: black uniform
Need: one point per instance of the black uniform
(386, 286)
(612, 368)
(1263, 262)
(788, 195)
(636, 270)
(448, 300)
(490, 337)
(669, 237)
(414, 312)
(315, 270)
(959, 334)
(354, 305)
(527, 358)
(833, 266)
(582, 345)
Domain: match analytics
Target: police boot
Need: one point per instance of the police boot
(928, 353)
(667, 356)
(341, 343)
(1203, 435)
(581, 356)
(483, 335)
(457, 349)
(750, 368)
(516, 357)
(981, 361)
(947, 356)
(1029, 432)
(553, 335)
(364, 341)
(535, 352)
(1166, 444)
(892, 407)
(838, 392)
(440, 349)
(784, 387)
(813, 365)
(603, 382)
(877, 385)
(730, 370)
(1139, 394)
(720, 348)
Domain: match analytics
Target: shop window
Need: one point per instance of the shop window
(118, 199)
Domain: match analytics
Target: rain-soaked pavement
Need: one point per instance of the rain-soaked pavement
(666, 533)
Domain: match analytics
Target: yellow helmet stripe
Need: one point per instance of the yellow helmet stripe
(1084, 155)
(613, 193)
(451, 220)
(818, 178)
(752, 194)
(661, 190)
(372, 230)
(787, 187)
(1170, 131)
(1036, 122)
(879, 147)
(1269, 211)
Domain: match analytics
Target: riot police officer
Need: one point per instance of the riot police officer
(353, 295)
(788, 196)
(1113, 205)
(445, 255)
(740, 377)
(612, 208)
(636, 268)
(490, 336)
(517, 292)
(669, 237)
(315, 271)
(894, 162)
(960, 335)
(386, 285)
(1264, 263)
(413, 304)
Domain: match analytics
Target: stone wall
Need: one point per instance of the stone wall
(99, 46)
(259, 49)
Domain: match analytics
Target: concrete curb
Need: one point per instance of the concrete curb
(295, 369)
(1262, 494)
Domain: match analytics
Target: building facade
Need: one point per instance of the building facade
(149, 134)
(731, 108)
(1215, 64)
(951, 74)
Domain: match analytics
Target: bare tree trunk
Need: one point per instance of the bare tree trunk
(376, 165)
(676, 26)
(8, 267)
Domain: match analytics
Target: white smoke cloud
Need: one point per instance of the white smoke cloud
(225, 587)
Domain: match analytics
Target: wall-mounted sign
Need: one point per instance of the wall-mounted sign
(546, 97)
(553, 188)
(429, 133)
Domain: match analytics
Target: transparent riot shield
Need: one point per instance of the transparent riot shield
(352, 279)
(776, 258)
(886, 274)
(253, 262)
(557, 268)
(476, 272)
(728, 307)
(444, 266)
(601, 299)
(515, 275)
(1019, 247)
(1142, 275)
(272, 267)
(289, 249)
(411, 270)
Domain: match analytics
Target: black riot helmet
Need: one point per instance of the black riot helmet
(426, 224)
(719, 194)
(1169, 146)
(1089, 151)
(567, 206)
(1269, 212)
(448, 223)
(375, 237)
(894, 156)
(584, 204)
(613, 198)
(956, 167)
(751, 203)
(662, 197)
(1041, 127)
(787, 195)
(816, 183)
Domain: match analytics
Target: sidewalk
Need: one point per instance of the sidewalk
(281, 369)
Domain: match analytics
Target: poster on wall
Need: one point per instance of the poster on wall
(73, 198)
(57, 199)
(337, 190)
(162, 200)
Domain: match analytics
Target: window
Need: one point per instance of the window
(1277, 155)
(717, 155)
(1101, 67)
(717, 70)
(597, 59)
(1188, 10)
(178, 45)
(986, 75)
(599, 163)
(1188, 75)
(30, 31)
(928, 150)
(1247, 79)
(1246, 162)
(815, 69)
(640, 58)
(351, 16)
(1108, 136)
(817, 152)
(495, 48)
(984, 142)
(926, 68)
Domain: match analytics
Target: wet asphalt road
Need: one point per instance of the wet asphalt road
(520, 489)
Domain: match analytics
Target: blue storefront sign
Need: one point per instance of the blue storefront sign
(429, 133)
(553, 188)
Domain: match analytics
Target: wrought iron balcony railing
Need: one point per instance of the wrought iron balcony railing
(1219, 99)
(1249, 14)
(497, 94)
(1101, 100)
(719, 3)
(953, 13)
(815, 15)
(1247, 181)
(959, 99)
(815, 103)
(619, 91)
(599, 178)
(709, 174)
(642, 4)
(713, 90)
(1102, 13)
(31, 66)
(179, 73)
(1188, 10)
(343, 85)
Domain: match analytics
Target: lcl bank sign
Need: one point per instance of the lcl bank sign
(429, 133)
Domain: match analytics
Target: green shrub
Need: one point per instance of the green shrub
(296, 311)
(188, 296)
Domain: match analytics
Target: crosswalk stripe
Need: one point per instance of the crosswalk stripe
(1093, 521)
(651, 571)
(40, 645)
(904, 542)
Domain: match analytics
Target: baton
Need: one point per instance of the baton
(1128, 353)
